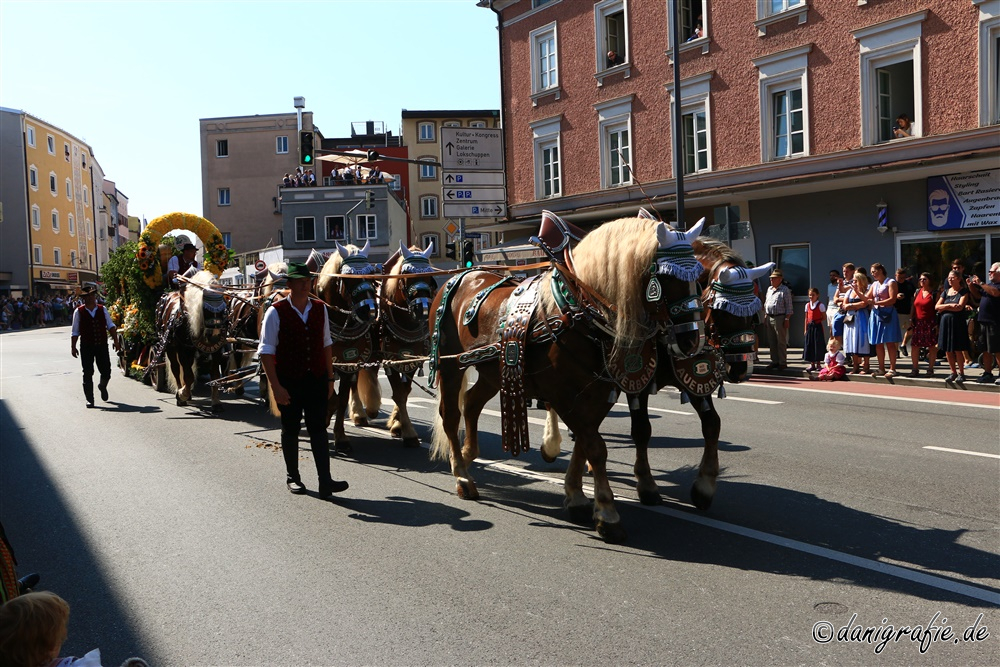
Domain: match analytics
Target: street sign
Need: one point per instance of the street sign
(465, 178)
(466, 210)
(477, 195)
(259, 265)
(471, 149)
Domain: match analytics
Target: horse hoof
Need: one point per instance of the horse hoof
(546, 457)
(612, 533)
(582, 515)
(360, 421)
(700, 499)
(411, 442)
(467, 490)
(396, 430)
(650, 498)
(181, 402)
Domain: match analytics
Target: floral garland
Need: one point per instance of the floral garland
(147, 254)
(216, 255)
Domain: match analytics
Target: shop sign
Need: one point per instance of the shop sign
(72, 277)
(49, 275)
(963, 201)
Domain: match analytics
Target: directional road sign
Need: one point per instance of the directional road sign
(464, 178)
(477, 195)
(467, 210)
(471, 149)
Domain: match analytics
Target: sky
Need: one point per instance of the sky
(132, 79)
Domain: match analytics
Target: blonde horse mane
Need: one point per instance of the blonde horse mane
(330, 268)
(390, 285)
(716, 253)
(614, 261)
(194, 297)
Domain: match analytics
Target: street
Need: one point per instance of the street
(839, 508)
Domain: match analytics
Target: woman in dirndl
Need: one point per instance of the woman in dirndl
(883, 325)
(855, 307)
(814, 348)
(953, 335)
(923, 326)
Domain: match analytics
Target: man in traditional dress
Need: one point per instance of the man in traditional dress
(179, 265)
(778, 307)
(296, 352)
(91, 327)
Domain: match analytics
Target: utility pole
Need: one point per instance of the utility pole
(675, 40)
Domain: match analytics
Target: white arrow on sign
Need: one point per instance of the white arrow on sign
(466, 178)
(474, 194)
(466, 210)
(471, 149)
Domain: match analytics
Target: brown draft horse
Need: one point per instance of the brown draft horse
(566, 366)
(351, 308)
(404, 305)
(195, 324)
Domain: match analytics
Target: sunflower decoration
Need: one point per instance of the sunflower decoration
(148, 258)
(216, 254)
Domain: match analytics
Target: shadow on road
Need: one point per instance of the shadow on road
(47, 539)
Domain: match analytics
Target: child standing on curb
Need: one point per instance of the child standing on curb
(812, 349)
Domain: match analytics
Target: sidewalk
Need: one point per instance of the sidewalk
(797, 368)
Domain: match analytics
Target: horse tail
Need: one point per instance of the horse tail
(440, 445)
(369, 391)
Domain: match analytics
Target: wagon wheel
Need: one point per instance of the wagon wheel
(158, 377)
(124, 360)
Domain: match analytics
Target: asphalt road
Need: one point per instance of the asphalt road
(172, 536)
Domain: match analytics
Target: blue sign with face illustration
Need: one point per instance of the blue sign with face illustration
(963, 201)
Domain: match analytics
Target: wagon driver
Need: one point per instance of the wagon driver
(179, 265)
(296, 352)
(91, 326)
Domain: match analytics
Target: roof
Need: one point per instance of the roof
(454, 113)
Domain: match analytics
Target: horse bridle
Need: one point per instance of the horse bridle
(666, 315)
(735, 346)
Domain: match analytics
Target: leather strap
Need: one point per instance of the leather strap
(513, 343)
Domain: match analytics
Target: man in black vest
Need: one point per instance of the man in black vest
(296, 352)
(179, 265)
(91, 326)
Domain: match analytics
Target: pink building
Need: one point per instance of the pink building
(789, 123)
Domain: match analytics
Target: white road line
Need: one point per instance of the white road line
(752, 400)
(896, 571)
(888, 569)
(652, 409)
(962, 451)
(882, 396)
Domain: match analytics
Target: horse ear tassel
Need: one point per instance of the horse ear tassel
(613, 396)
(653, 388)
(684, 398)
(722, 391)
(633, 404)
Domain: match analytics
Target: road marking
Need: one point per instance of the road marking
(888, 398)
(753, 400)
(962, 451)
(896, 571)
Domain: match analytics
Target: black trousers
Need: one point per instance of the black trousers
(308, 398)
(89, 355)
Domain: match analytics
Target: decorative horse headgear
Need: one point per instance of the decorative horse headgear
(419, 292)
(733, 289)
(362, 295)
(675, 258)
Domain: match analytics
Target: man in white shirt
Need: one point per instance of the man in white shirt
(179, 265)
(91, 327)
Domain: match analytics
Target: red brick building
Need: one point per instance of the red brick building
(789, 111)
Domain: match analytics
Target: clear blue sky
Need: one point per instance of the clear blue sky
(132, 79)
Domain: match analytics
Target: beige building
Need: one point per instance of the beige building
(243, 159)
(421, 135)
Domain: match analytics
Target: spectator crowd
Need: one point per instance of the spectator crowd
(27, 312)
(356, 175)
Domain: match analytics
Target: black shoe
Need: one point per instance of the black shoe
(295, 486)
(90, 402)
(333, 486)
(104, 393)
(985, 378)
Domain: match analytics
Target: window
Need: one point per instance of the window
(281, 145)
(305, 229)
(55, 221)
(773, 11)
(784, 103)
(227, 239)
(451, 123)
(538, 3)
(891, 82)
(544, 62)
(57, 256)
(335, 227)
(72, 257)
(90, 227)
(69, 189)
(90, 261)
(429, 207)
(66, 151)
(793, 260)
(36, 217)
(86, 198)
(31, 136)
(224, 197)
(612, 34)
(425, 131)
(696, 140)
(36, 254)
(427, 171)
(51, 141)
(83, 160)
(989, 62)
(693, 28)
(71, 225)
(614, 121)
(33, 178)
(477, 123)
(52, 184)
(222, 148)
(548, 166)
(366, 227)
(432, 241)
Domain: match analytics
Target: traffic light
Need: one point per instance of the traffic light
(306, 148)
(372, 156)
(369, 199)
(468, 253)
(449, 251)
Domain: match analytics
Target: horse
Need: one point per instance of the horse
(194, 324)
(729, 306)
(352, 309)
(570, 336)
(405, 296)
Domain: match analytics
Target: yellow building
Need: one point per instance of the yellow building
(60, 193)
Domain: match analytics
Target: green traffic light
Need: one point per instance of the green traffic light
(307, 159)
(468, 263)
